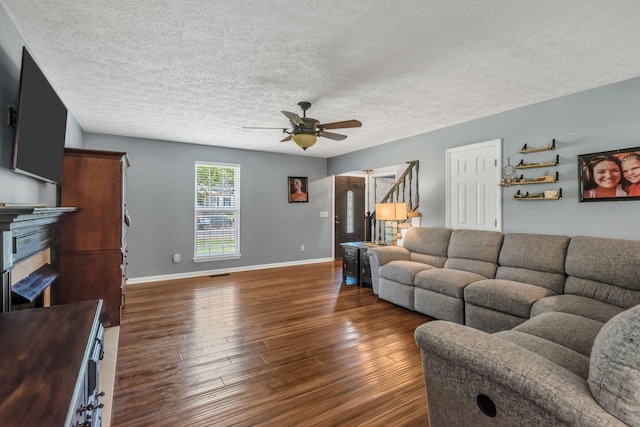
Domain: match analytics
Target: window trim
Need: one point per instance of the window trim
(235, 209)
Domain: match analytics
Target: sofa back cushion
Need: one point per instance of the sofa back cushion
(604, 269)
(537, 259)
(428, 244)
(614, 367)
(475, 251)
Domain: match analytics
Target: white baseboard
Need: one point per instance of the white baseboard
(187, 275)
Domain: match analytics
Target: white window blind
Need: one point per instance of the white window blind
(217, 211)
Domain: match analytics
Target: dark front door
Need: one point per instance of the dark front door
(350, 216)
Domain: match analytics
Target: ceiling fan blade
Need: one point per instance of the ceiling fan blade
(334, 136)
(293, 118)
(258, 127)
(286, 138)
(341, 125)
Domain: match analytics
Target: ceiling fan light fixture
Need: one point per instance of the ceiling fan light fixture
(304, 140)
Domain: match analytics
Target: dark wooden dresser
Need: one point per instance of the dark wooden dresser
(49, 366)
(93, 240)
(355, 263)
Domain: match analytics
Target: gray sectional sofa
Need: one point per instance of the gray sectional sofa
(533, 329)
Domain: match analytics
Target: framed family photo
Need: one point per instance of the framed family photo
(298, 189)
(609, 175)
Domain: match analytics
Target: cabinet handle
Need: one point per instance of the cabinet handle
(90, 407)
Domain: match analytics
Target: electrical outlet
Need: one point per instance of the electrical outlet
(301, 248)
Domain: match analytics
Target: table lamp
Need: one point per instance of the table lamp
(392, 213)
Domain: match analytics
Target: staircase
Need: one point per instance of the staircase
(405, 190)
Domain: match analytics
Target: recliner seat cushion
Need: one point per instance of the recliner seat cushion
(569, 330)
(402, 271)
(578, 305)
(446, 281)
(505, 296)
(569, 359)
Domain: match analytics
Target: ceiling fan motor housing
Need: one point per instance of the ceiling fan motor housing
(309, 126)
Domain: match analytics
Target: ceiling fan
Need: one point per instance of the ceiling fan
(305, 130)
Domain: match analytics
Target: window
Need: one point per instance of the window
(350, 211)
(217, 211)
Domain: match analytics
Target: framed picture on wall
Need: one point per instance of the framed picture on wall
(609, 175)
(298, 189)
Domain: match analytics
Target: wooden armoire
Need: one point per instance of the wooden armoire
(93, 244)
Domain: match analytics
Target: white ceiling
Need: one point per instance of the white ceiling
(197, 71)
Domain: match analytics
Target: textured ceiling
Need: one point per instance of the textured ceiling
(197, 71)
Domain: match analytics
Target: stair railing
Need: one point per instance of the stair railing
(405, 190)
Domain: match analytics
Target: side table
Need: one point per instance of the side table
(355, 263)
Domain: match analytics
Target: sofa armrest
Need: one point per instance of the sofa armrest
(474, 378)
(385, 254)
(379, 256)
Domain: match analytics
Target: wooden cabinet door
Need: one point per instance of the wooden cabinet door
(94, 185)
(93, 275)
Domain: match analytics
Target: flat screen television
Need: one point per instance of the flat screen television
(38, 148)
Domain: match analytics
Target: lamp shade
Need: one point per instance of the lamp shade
(391, 211)
(304, 140)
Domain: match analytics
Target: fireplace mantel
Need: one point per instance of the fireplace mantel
(26, 231)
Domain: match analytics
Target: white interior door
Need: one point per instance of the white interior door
(474, 198)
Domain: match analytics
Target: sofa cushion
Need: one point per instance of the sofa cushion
(537, 259)
(432, 260)
(604, 269)
(613, 261)
(475, 251)
(402, 271)
(569, 330)
(505, 296)
(552, 281)
(578, 305)
(481, 268)
(480, 245)
(610, 294)
(428, 244)
(569, 359)
(614, 374)
(539, 252)
(445, 281)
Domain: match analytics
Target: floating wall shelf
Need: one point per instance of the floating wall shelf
(523, 165)
(548, 179)
(527, 150)
(539, 196)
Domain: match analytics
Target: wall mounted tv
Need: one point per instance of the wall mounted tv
(41, 125)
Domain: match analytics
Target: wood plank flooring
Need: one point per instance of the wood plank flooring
(279, 347)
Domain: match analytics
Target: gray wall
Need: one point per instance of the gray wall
(161, 177)
(160, 198)
(15, 187)
(601, 119)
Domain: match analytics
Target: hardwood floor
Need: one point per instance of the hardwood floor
(279, 347)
